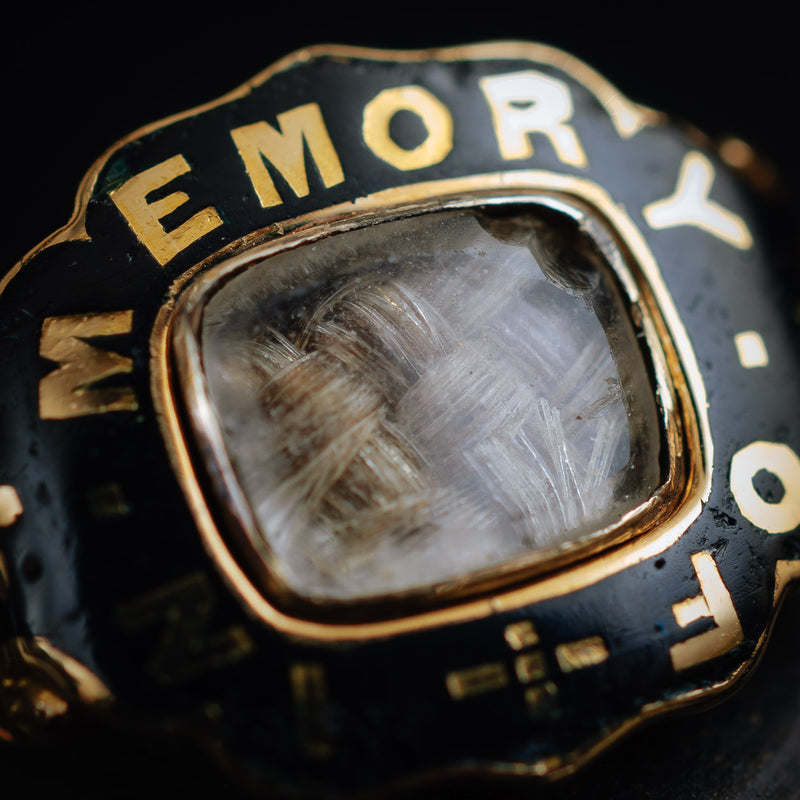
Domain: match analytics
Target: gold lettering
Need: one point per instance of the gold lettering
(714, 601)
(190, 643)
(751, 349)
(477, 680)
(144, 218)
(782, 462)
(520, 635)
(309, 693)
(284, 150)
(530, 102)
(530, 666)
(434, 115)
(581, 654)
(689, 204)
(68, 391)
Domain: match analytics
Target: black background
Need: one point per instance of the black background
(76, 80)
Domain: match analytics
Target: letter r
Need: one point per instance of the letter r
(530, 102)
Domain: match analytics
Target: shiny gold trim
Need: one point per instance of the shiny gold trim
(627, 117)
(40, 682)
(662, 325)
(10, 506)
(785, 573)
(190, 371)
(89, 687)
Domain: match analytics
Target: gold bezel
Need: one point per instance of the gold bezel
(644, 532)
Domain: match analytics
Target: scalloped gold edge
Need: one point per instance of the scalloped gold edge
(627, 117)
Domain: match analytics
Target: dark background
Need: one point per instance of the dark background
(74, 81)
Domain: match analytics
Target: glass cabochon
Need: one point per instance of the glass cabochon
(413, 403)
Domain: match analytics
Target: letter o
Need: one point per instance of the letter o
(784, 464)
(435, 117)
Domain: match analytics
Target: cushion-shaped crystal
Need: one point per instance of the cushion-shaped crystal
(420, 401)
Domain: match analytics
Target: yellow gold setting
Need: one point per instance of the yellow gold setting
(646, 531)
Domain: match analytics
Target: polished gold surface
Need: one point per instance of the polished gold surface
(661, 327)
(144, 216)
(690, 204)
(715, 603)
(90, 687)
(70, 390)
(10, 506)
(779, 516)
(284, 149)
(581, 654)
(628, 119)
(40, 683)
(785, 573)
(411, 404)
(433, 114)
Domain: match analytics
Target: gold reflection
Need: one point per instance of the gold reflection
(10, 506)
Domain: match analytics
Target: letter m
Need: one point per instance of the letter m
(72, 390)
(284, 149)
